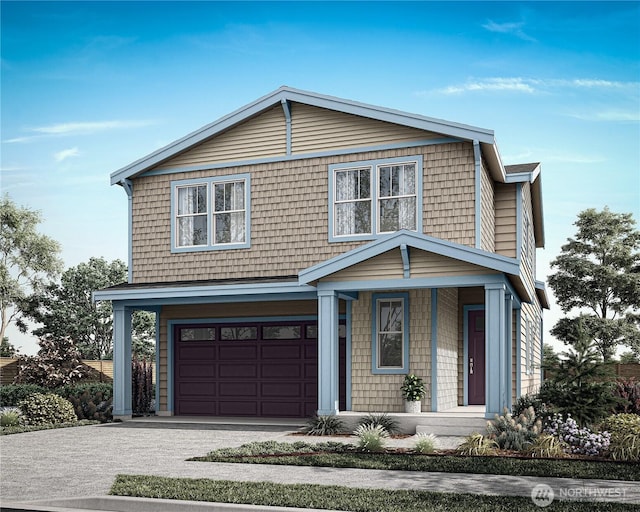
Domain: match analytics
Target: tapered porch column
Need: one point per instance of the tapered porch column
(328, 355)
(495, 349)
(121, 362)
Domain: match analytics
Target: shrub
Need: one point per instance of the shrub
(44, 409)
(384, 420)
(545, 445)
(477, 444)
(625, 436)
(12, 394)
(628, 393)
(91, 401)
(10, 418)
(371, 438)
(577, 440)
(527, 400)
(324, 426)
(425, 443)
(511, 433)
(143, 391)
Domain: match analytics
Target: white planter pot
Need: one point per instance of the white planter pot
(413, 407)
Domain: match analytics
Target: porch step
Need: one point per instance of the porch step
(451, 425)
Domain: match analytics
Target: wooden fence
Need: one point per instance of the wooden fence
(102, 370)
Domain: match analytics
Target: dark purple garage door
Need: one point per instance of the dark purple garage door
(250, 369)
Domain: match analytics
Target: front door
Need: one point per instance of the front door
(475, 359)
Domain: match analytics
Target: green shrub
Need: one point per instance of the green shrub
(413, 388)
(625, 436)
(324, 426)
(545, 445)
(10, 418)
(384, 420)
(12, 394)
(371, 438)
(527, 400)
(43, 409)
(511, 433)
(91, 401)
(477, 444)
(425, 443)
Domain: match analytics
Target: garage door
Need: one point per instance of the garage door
(250, 369)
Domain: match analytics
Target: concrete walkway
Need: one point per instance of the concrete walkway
(82, 462)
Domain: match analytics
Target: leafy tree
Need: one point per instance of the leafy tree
(57, 363)
(598, 274)
(629, 357)
(67, 310)
(550, 359)
(28, 262)
(7, 349)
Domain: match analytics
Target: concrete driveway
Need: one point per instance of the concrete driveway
(83, 461)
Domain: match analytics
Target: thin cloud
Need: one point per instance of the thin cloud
(491, 84)
(60, 156)
(510, 28)
(80, 128)
(609, 115)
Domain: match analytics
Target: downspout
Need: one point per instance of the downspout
(478, 191)
(127, 185)
(286, 107)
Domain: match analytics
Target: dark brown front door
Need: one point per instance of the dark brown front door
(267, 369)
(476, 358)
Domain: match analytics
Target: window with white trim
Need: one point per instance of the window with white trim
(375, 197)
(210, 214)
(390, 333)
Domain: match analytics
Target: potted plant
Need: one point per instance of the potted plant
(413, 391)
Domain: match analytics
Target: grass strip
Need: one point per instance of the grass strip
(5, 431)
(335, 497)
(570, 468)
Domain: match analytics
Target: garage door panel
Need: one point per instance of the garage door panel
(192, 370)
(238, 351)
(277, 409)
(238, 389)
(238, 408)
(197, 389)
(197, 407)
(246, 370)
(197, 351)
(292, 371)
(281, 389)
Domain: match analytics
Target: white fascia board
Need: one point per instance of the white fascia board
(458, 130)
(179, 292)
(522, 177)
(426, 243)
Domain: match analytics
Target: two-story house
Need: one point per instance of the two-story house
(305, 252)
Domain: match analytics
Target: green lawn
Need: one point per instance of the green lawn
(340, 455)
(336, 498)
(5, 431)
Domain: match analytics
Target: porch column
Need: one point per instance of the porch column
(328, 354)
(495, 349)
(508, 331)
(122, 408)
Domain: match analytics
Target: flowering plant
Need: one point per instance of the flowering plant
(577, 440)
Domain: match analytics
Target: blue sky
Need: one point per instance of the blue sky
(88, 87)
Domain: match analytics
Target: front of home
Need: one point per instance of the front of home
(303, 253)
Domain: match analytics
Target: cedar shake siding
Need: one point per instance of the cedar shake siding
(488, 212)
(289, 215)
(447, 350)
(506, 219)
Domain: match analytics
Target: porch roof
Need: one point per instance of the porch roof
(404, 239)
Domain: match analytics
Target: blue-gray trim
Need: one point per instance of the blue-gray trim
(246, 177)
(349, 358)
(127, 185)
(465, 349)
(508, 329)
(157, 342)
(434, 349)
(406, 262)
(519, 221)
(122, 405)
(446, 128)
(404, 296)
(286, 107)
(414, 283)
(301, 156)
(374, 194)
(420, 241)
(477, 157)
(328, 353)
(519, 352)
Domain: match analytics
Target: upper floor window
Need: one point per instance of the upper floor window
(210, 213)
(376, 197)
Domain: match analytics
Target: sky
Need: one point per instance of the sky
(89, 87)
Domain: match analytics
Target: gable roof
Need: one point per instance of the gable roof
(284, 95)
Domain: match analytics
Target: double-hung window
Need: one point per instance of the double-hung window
(390, 333)
(211, 213)
(375, 197)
